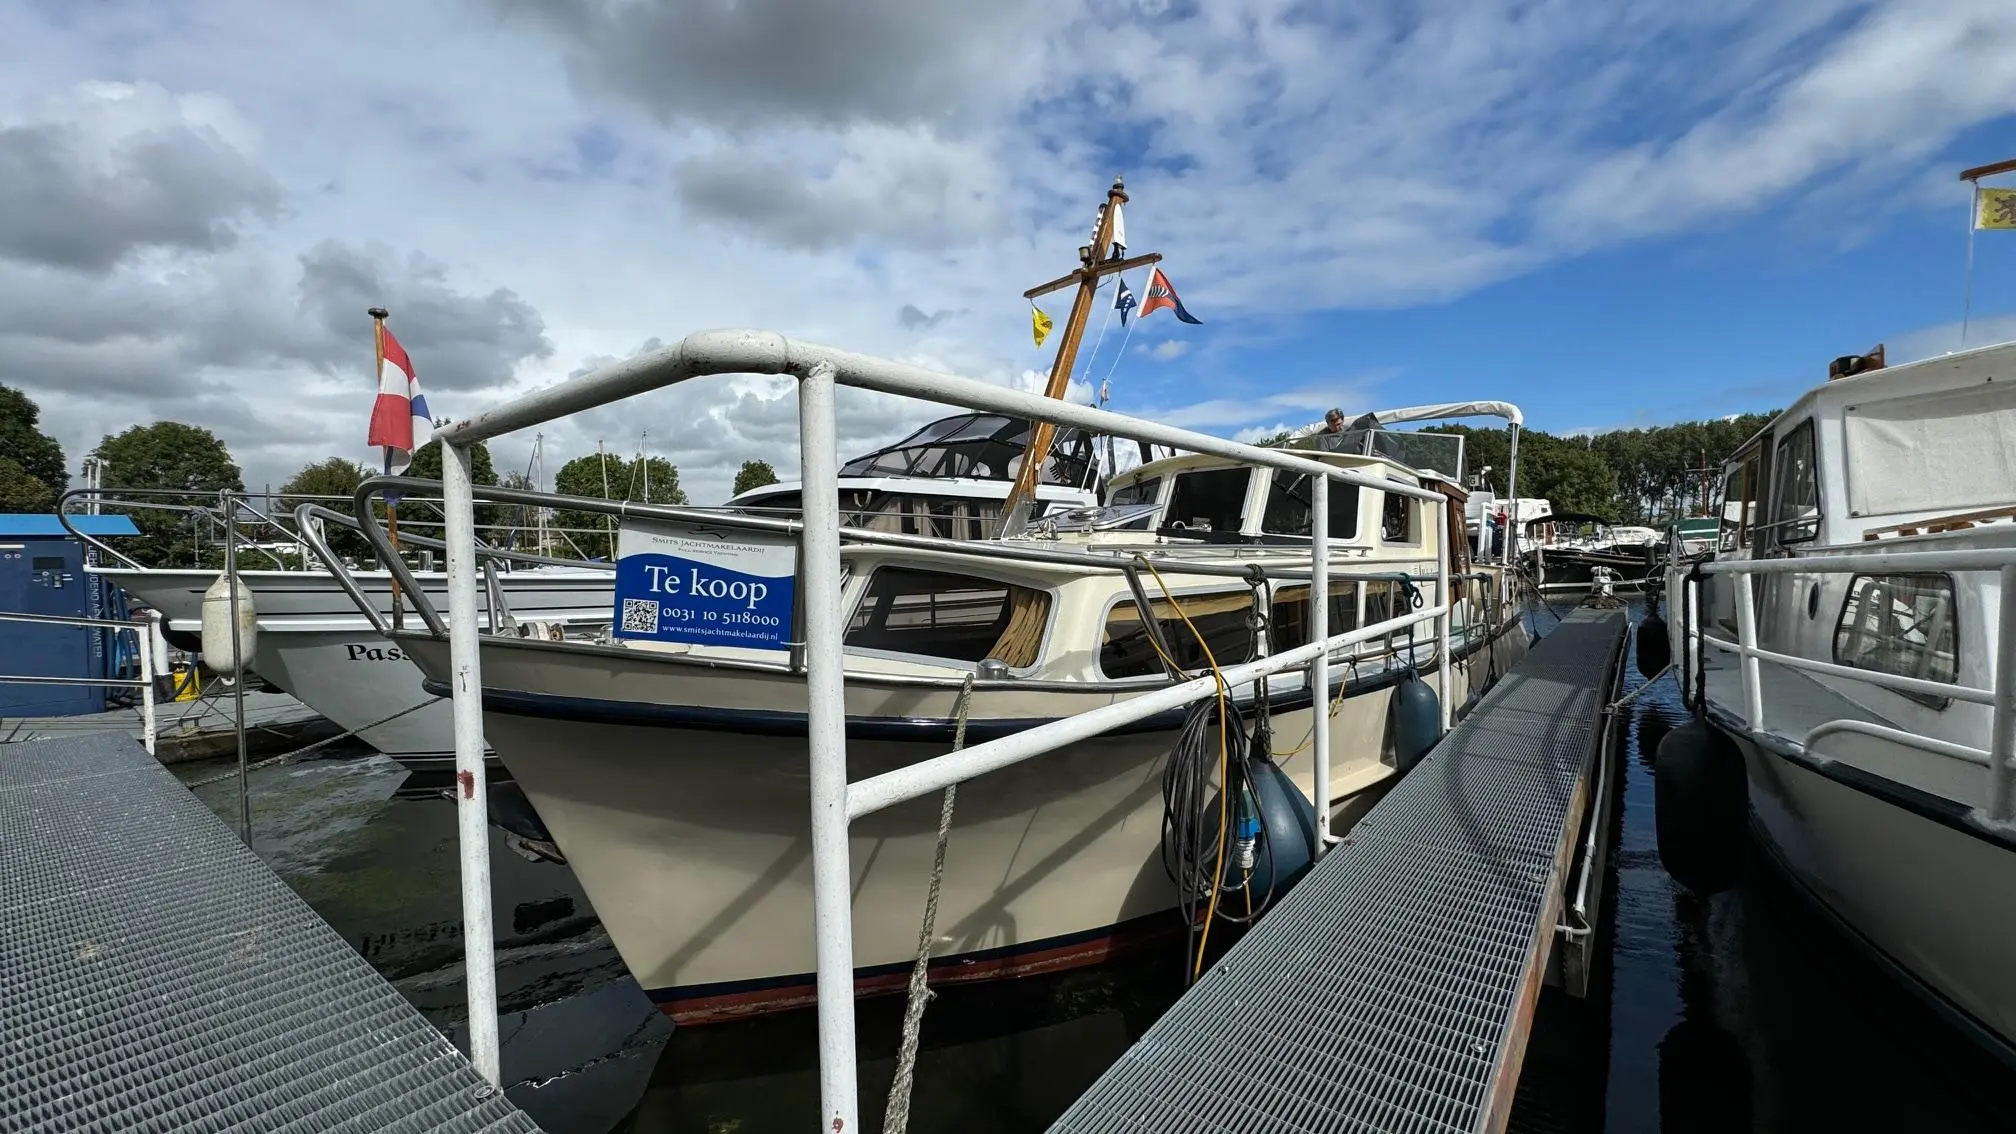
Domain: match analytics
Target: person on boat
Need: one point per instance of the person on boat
(1333, 422)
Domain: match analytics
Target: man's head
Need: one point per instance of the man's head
(1334, 421)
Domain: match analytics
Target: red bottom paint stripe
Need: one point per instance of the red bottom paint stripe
(711, 1004)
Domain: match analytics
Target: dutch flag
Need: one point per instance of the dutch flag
(399, 419)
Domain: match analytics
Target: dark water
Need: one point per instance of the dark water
(1743, 1012)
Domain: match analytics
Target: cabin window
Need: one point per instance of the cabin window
(1397, 519)
(939, 614)
(1288, 503)
(1795, 497)
(1143, 491)
(1900, 624)
(1290, 627)
(1224, 619)
(1210, 500)
(1739, 504)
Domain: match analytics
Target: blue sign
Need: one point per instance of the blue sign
(705, 585)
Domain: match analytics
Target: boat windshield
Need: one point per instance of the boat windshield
(1440, 453)
(978, 445)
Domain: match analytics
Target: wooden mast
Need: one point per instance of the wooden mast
(1092, 267)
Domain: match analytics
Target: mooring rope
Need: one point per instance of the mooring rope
(896, 1118)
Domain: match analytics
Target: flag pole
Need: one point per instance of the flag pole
(1967, 286)
(1093, 264)
(1973, 177)
(378, 317)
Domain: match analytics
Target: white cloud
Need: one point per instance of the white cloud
(532, 183)
(1928, 342)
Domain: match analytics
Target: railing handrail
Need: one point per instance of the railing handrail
(819, 372)
(2000, 806)
(146, 629)
(1118, 559)
(865, 797)
(763, 352)
(1885, 561)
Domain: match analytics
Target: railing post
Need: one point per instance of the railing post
(1746, 642)
(2002, 734)
(472, 826)
(144, 631)
(826, 736)
(1445, 669)
(1319, 666)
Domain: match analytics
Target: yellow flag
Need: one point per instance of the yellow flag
(1996, 208)
(1041, 322)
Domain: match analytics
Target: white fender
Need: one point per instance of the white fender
(218, 657)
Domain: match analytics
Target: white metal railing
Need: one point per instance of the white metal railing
(2000, 756)
(153, 650)
(836, 801)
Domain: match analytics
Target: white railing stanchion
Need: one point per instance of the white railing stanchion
(472, 801)
(1746, 644)
(2002, 733)
(144, 638)
(1319, 666)
(1445, 667)
(826, 737)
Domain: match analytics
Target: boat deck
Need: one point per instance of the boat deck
(1392, 990)
(159, 977)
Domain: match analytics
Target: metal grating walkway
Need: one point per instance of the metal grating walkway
(1390, 990)
(158, 977)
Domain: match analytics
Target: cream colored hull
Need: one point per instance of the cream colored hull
(694, 843)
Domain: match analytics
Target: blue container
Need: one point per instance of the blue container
(42, 572)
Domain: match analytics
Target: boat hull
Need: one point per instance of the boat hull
(317, 646)
(1934, 897)
(691, 834)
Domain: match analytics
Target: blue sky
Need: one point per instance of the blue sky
(1616, 213)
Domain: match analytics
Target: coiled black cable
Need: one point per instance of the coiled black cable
(1192, 836)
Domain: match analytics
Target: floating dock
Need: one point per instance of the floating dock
(1393, 989)
(159, 977)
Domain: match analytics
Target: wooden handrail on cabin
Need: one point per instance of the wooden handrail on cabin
(1959, 521)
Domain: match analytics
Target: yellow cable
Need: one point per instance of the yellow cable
(1224, 824)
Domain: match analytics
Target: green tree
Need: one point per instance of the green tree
(754, 474)
(168, 455)
(654, 480)
(21, 492)
(23, 441)
(339, 477)
(606, 476)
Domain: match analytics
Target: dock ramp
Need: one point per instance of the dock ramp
(159, 977)
(1393, 988)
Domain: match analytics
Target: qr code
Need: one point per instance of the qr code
(640, 615)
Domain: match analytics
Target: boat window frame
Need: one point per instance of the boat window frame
(1125, 598)
(1779, 526)
(1155, 485)
(863, 581)
(1175, 477)
(1371, 648)
(1749, 463)
(1411, 508)
(1348, 498)
(1952, 595)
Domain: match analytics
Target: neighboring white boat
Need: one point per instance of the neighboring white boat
(675, 777)
(948, 479)
(1874, 521)
(315, 644)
